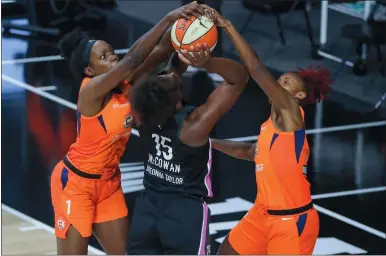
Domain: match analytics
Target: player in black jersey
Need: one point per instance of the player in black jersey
(171, 216)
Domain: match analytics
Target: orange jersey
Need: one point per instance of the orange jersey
(101, 139)
(280, 165)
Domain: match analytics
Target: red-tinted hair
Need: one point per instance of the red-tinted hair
(317, 83)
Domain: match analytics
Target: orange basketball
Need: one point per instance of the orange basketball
(186, 33)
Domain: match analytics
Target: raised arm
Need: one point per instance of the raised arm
(160, 53)
(240, 150)
(280, 98)
(202, 120)
(101, 85)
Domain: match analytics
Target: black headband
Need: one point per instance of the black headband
(87, 52)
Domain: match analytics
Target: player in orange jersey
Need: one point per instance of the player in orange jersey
(283, 219)
(86, 186)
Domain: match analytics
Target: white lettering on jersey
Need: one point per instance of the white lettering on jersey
(116, 105)
(259, 167)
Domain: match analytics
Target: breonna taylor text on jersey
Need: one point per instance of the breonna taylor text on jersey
(173, 166)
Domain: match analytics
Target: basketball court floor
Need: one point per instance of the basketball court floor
(346, 169)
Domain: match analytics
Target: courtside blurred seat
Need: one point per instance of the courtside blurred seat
(277, 8)
(370, 33)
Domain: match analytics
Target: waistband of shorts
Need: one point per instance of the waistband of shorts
(85, 174)
(284, 212)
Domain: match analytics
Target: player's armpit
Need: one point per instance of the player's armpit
(202, 120)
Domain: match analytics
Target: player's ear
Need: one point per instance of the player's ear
(179, 105)
(89, 71)
(301, 95)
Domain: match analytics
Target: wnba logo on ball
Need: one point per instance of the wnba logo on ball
(182, 25)
(187, 33)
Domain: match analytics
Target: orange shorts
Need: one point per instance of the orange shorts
(81, 202)
(259, 233)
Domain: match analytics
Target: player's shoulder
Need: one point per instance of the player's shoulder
(185, 113)
(84, 81)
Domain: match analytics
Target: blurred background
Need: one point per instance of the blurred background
(346, 133)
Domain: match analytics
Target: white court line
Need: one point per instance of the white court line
(31, 60)
(46, 58)
(47, 95)
(29, 228)
(349, 192)
(132, 168)
(351, 222)
(135, 132)
(44, 94)
(324, 130)
(47, 88)
(190, 69)
(41, 225)
(131, 164)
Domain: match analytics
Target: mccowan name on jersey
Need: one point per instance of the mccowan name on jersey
(166, 165)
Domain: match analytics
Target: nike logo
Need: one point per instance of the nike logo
(287, 218)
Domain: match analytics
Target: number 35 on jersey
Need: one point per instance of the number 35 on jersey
(163, 146)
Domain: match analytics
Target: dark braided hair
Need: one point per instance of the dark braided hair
(152, 101)
(72, 47)
(317, 83)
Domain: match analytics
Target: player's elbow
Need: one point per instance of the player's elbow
(240, 84)
(244, 77)
(251, 152)
(244, 151)
(241, 76)
(243, 154)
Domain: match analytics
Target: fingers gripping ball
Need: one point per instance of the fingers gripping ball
(186, 33)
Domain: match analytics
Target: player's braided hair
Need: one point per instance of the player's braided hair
(317, 83)
(75, 47)
(152, 101)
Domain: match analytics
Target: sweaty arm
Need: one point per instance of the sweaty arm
(159, 54)
(202, 119)
(280, 98)
(236, 149)
(101, 85)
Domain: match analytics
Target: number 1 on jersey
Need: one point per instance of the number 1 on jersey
(68, 202)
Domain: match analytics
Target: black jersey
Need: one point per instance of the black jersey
(173, 166)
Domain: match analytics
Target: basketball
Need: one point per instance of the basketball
(186, 33)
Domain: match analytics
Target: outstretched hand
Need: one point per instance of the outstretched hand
(217, 18)
(187, 11)
(195, 57)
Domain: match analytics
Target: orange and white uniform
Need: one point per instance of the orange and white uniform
(86, 185)
(282, 220)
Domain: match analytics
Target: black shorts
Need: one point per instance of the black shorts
(169, 224)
